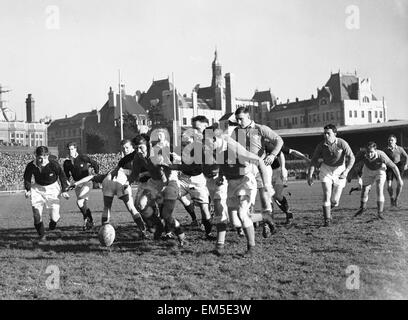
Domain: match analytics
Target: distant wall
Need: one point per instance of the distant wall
(22, 149)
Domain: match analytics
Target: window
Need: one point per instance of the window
(350, 114)
(362, 113)
(324, 118)
(366, 99)
(318, 117)
(331, 116)
(276, 123)
(184, 121)
(338, 115)
(376, 114)
(380, 114)
(355, 113)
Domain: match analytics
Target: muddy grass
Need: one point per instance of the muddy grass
(306, 261)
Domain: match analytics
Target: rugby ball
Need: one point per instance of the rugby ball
(106, 235)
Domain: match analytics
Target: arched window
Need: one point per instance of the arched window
(366, 99)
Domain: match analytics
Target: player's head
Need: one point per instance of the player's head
(330, 133)
(371, 149)
(41, 155)
(72, 149)
(141, 143)
(200, 123)
(242, 116)
(126, 146)
(392, 140)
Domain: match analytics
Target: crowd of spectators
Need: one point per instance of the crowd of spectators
(13, 164)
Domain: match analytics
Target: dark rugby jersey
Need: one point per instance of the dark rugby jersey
(194, 166)
(229, 169)
(45, 176)
(79, 166)
(395, 154)
(140, 164)
(269, 147)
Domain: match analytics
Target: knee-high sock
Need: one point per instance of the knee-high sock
(40, 228)
(380, 206)
(221, 233)
(190, 210)
(250, 235)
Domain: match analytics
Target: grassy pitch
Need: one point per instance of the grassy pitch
(306, 261)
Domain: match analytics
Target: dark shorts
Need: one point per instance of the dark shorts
(390, 173)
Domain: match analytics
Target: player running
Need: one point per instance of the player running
(45, 192)
(376, 163)
(252, 135)
(78, 166)
(398, 155)
(235, 183)
(334, 169)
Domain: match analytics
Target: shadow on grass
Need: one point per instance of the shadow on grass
(74, 239)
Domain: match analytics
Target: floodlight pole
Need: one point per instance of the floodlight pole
(120, 108)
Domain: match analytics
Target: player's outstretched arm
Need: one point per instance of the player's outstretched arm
(299, 155)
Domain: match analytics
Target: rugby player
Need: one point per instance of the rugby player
(280, 176)
(116, 183)
(376, 163)
(46, 191)
(77, 166)
(398, 155)
(235, 186)
(252, 135)
(334, 169)
(160, 190)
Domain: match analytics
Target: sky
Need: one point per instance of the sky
(67, 53)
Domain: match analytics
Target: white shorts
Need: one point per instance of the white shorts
(371, 176)
(118, 186)
(82, 191)
(195, 186)
(217, 192)
(259, 182)
(330, 174)
(46, 195)
(244, 186)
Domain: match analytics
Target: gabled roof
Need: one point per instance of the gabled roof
(130, 105)
(343, 87)
(262, 96)
(155, 92)
(205, 93)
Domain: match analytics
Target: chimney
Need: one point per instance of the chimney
(287, 101)
(111, 96)
(195, 103)
(297, 99)
(229, 93)
(30, 108)
(138, 95)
